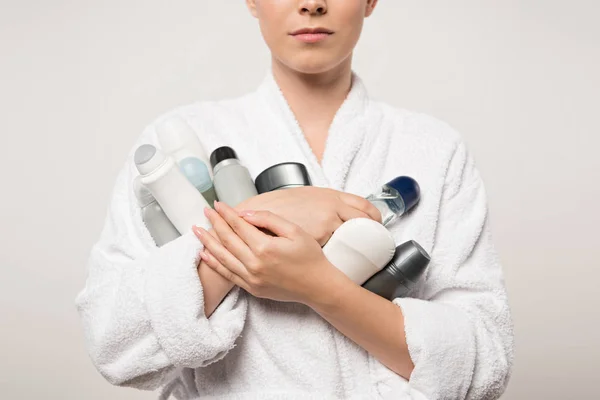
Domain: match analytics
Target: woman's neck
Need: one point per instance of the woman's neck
(314, 98)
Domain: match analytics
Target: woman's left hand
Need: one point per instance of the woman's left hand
(287, 267)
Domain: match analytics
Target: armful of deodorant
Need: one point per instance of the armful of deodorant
(362, 248)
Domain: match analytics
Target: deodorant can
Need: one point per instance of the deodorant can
(232, 180)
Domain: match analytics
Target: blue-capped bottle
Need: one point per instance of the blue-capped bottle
(197, 173)
(396, 198)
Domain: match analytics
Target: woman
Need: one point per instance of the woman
(237, 313)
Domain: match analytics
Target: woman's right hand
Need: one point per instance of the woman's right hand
(319, 211)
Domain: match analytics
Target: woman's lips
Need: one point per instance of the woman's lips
(312, 37)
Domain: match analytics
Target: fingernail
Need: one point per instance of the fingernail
(217, 205)
(207, 211)
(246, 213)
(203, 256)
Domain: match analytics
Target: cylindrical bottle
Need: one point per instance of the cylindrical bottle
(178, 139)
(178, 198)
(400, 276)
(232, 180)
(282, 176)
(396, 198)
(360, 247)
(197, 173)
(160, 227)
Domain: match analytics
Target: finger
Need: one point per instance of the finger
(219, 252)
(216, 265)
(250, 234)
(230, 240)
(347, 213)
(214, 234)
(274, 223)
(361, 204)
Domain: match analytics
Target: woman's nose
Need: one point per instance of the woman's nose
(313, 7)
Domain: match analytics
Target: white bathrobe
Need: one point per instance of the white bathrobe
(143, 310)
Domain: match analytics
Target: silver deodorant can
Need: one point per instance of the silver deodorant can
(232, 181)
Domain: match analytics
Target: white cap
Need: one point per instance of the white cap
(369, 238)
(178, 140)
(174, 134)
(148, 158)
(360, 247)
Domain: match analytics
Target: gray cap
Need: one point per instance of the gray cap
(410, 261)
(147, 158)
(280, 176)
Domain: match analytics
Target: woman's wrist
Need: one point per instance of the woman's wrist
(326, 293)
(214, 287)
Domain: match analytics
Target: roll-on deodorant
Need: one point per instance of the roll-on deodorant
(232, 180)
(402, 273)
(396, 198)
(160, 227)
(360, 248)
(177, 139)
(197, 173)
(178, 198)
(282, 176)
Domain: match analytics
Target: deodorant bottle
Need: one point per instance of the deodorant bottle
(232, 180)
(396, 198)
(179, 199)
(197, 173)
(178, 139)
(160, 227)
(282, 176)
(360, 248)
(401, 275)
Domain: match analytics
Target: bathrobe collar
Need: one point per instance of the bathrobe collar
(345, 137)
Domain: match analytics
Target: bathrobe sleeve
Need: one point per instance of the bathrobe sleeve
(459, 332)
(142, 306)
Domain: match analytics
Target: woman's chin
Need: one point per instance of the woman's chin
(312, 66)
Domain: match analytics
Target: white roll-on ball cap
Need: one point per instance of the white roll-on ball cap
(360, 247)
(148, 158)
(368, 237)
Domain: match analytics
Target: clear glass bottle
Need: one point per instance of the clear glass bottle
(395, 198)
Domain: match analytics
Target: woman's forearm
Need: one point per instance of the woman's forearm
(372, 322)
(214, 286)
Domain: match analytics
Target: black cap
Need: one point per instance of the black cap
(220, 154)
(282, 175)
(409, 190)
(410, 260)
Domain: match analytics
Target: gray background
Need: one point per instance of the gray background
(80, 79)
